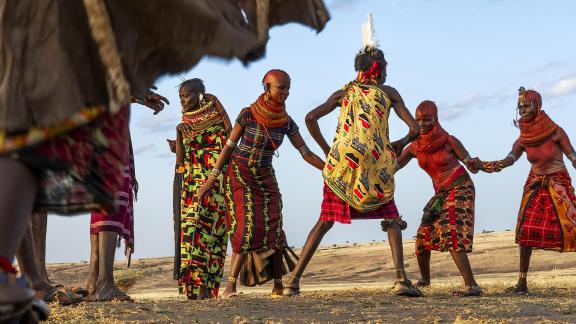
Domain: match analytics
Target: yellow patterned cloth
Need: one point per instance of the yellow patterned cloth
(360, 166)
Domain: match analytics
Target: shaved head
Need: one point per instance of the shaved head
(275, 75)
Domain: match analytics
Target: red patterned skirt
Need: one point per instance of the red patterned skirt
(82, 169)
(453, 227)
(121, 221)
(547, 217)
(334, 209)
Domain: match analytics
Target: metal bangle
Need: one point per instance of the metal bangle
(303, 149)
(466, 159)
(230, 143)
(514, 158)
(572, 157)
(214, 173)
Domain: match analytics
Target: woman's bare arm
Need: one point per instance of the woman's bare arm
(308, 156)
(315, 114)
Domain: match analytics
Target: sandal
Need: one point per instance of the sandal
(406, 289)
(110, 293)
(76, 290)
(17, 301)
(468, 292)
(62, 297)
(293, 289)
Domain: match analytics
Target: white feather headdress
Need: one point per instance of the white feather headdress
(368, 40)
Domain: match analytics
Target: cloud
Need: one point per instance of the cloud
(159, 123)
(562, 87)
(450, 111)
(342, 4)
(144, 148)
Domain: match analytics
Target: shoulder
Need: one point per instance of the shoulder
(211, 97)
(392, 93)
(559, 134)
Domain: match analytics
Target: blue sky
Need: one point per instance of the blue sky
(469, 57)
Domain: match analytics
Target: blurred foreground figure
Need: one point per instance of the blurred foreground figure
(68, 70)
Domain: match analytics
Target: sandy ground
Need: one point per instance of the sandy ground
(347, 283)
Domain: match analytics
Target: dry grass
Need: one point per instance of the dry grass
(349, 284)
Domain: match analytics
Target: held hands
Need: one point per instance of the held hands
(474, 165)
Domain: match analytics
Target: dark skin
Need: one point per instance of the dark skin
(190, 101)
(437, 165)
(278, 90)
(545, 157)
(322, 227)
(103, 244)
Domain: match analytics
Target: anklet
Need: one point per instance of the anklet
(232, 279)
(400, 270)
(277, 281)
(295, 278)
(523, 275)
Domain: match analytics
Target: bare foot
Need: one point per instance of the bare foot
(521, 288)
(422, 283)
(230, 291)
(278, 289)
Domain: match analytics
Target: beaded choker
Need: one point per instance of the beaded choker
(203, 117)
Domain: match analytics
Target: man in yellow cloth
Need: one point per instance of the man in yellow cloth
(360, 164)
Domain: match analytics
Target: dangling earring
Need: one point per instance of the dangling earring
(201, 98)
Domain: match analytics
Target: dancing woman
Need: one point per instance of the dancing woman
(254, 203)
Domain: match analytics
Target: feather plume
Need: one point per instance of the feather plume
(368, 40)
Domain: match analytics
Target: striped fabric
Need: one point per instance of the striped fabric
(256, 148)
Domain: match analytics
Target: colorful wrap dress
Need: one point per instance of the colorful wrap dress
(547, 216)
(359, 170)
(448, 222)
(203, 234)
(254, 202)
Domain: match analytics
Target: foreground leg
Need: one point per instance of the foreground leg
(235, 267)
(312, 242)
(403, 286)
(424, 266)
(106, 290)
(17, 191)
(463, 264)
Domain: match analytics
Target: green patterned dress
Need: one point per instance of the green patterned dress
(203, 235)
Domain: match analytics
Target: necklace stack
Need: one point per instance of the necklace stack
(203, 117)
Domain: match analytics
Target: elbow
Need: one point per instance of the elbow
(310, 119)
(414, 132)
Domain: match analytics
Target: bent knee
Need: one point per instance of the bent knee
(326, 225)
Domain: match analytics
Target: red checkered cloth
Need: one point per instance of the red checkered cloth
(334, 209)
(540, 226)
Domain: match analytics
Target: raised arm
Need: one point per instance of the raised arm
(223, 159)
(510, 159)
(404, 114)
(308, 156)
(407, 155)
(324, 109)
(566, 146)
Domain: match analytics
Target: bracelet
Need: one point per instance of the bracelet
(304, 149)
(514, 158)
(214, 173)
(466, 159)
(230, 143)
(180, 169)
(572, 157)
(493, 166)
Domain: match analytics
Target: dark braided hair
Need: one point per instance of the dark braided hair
(196, 85)
(365, 57)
